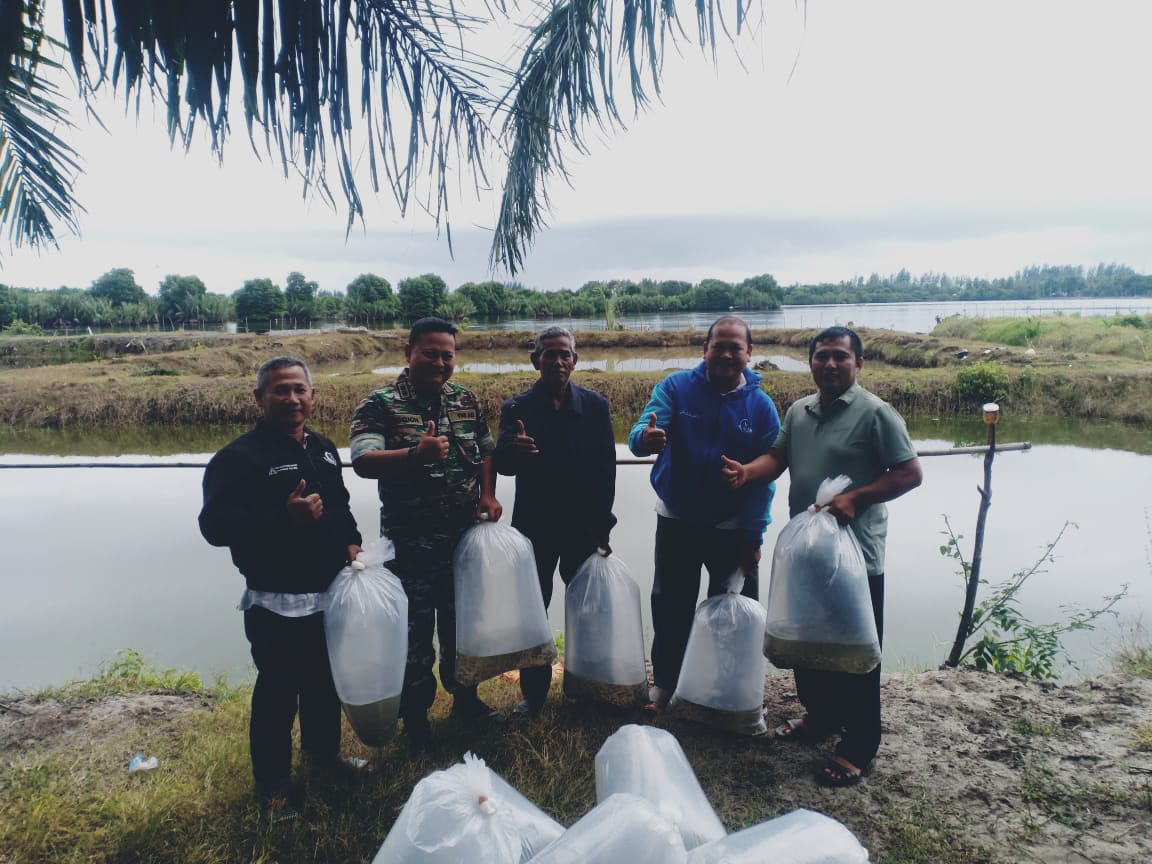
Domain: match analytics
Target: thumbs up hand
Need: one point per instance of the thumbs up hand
(432, 447)
(653, 439)
(302, 508)
(525, 443)
(733, 472)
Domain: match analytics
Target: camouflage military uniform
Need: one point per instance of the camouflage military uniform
(424, 512)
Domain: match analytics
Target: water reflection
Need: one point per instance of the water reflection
(613, 364)
(97, 560)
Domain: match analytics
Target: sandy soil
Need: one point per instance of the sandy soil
(1032, 772)
(1029, 772)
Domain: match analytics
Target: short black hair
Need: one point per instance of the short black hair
(729, 319)
(431, 325)
(832, 334)
(275, 363)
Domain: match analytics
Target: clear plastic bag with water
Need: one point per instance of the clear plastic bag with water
(819, 606)
(604, 635)
(501, 622)
(649, 762)
(721, 681)
(621, 828)
(366, 627)
(467, 814)
(799, 837)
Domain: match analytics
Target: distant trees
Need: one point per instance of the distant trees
(370, 298)
(181, 299)
(116, 300)
(300, 298)
(118, 287)
(421, 296)
(257, 302)
(7, 307)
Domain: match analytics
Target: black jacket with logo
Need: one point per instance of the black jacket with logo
(246, 487)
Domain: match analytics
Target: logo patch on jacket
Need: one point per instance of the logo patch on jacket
(330, 458)
(746, 426)
(277, 469)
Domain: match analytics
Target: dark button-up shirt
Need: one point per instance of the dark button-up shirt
(569, 486)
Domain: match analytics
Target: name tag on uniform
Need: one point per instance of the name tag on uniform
(462, 415)
(409, 420)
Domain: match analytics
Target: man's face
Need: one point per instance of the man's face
(834, 366)
(431, 361)
(286, 400)
(727, 353)
(555, 361)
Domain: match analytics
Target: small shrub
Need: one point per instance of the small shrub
(23, 328)
(1130, 320)
(981, 382)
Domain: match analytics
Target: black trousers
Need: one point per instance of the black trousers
(426, 574)
(292, 674)
(844, 701)
(682, 548)
(570, 553)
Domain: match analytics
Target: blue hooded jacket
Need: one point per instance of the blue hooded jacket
(702, 425)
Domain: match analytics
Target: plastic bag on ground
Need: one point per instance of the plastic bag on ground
(366, 627)
(604, 635)
(800, 837)
(501, 623)
(623, 829)
(819, 607)
(721, 682)
(649, 762)
(467, 815)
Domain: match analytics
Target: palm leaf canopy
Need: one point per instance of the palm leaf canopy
(429, 105)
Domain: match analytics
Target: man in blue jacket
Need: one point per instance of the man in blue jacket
(693, 419)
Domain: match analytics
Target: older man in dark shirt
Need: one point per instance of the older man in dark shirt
(557, 440)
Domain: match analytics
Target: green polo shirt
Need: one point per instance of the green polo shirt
(858, 434)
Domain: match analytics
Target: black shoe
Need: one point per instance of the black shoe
(470, 708)
(524, 708)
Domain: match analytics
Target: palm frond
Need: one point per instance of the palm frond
(566, 84)
(426, 99)
(37, 167)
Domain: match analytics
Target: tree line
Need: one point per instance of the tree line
(115, 299)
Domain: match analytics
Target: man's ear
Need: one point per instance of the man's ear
(257, 396)
(535, 358)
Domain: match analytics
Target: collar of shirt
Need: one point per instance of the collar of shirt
(573, 400)
(840, 403)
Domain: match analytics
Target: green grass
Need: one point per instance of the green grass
(77, 803)
(1124, 336)
(1134, 660)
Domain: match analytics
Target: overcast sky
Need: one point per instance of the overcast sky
(973, 137)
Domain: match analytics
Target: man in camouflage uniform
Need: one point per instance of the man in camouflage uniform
(428, 444)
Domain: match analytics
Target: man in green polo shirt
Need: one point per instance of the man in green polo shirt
(841, 429)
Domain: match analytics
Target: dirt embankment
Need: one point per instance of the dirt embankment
(200, 378)
(1018, 770)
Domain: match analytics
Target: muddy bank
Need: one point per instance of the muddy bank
(178, 379)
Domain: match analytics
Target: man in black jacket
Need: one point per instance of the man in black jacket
(276, 498)
(557, 440)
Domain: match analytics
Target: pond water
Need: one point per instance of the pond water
(918, 317)
(98, 559)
